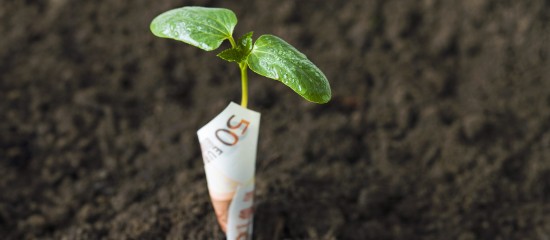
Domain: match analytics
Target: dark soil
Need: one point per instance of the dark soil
(439, 126)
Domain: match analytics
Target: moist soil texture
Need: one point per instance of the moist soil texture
(439, 125)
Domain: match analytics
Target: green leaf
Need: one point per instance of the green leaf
(205, 28)
(274, 58)
(245, 42)
(240, 52)
(232, 55)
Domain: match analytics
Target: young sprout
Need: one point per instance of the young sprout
(269, 55)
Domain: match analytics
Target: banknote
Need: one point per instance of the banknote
(229, 145)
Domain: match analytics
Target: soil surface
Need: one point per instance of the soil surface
(439, 126)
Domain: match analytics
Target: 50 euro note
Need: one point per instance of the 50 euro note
(229, 144)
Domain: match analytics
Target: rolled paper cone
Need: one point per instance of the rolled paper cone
(229, 144)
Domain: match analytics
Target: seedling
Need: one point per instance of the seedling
(269, 55)
(229, 141)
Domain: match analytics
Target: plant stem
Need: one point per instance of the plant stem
(232, 41)
(244, 77)
(244, 83)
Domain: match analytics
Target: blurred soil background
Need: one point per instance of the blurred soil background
(439, 127)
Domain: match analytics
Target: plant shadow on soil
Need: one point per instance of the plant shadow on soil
(439, 127)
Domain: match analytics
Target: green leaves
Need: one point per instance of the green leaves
(240, 52)
(205, 28)
(269, 56)
(276, 59)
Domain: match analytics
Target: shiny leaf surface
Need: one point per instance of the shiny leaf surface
(274, 58)
(205, 28)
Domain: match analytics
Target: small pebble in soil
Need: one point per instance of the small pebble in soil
(36, 221)
(473, 126)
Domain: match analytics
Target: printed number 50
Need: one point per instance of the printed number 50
(229, 137)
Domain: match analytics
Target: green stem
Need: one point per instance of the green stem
(244, 83)
(244, 77)
(232, 41)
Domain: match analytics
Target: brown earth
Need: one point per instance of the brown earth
(439, 127)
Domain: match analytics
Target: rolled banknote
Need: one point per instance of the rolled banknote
(228, 145)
